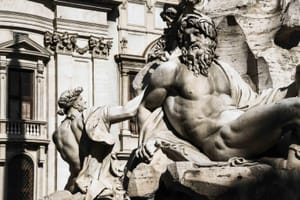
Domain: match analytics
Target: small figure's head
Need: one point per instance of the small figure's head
(197, 38)
(71, 98)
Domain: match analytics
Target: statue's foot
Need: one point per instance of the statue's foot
(293, 160)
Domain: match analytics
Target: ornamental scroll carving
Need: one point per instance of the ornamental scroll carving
(98, 47)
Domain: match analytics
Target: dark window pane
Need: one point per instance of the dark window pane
(14, 80)
(20, 98)
(26, 78)
(131, 90)
(14, 109)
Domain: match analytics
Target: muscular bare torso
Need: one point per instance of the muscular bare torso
(196, 106)
(66, 139)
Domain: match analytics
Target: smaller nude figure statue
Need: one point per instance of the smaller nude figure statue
(84, 142)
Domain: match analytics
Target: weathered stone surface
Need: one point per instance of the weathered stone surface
(291, 16)
(258, 25)
(144, 180)
(289, 34)
(210, 181)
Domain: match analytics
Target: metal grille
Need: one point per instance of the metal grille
(20, 178)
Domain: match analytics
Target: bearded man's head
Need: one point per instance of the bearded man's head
(197, 37)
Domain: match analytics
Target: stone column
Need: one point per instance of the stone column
(127, 139)
(125, 96)
(40, 97)
(3, 87)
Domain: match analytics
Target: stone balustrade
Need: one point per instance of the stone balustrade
(26, 129)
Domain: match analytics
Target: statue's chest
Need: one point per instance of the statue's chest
(194, 87)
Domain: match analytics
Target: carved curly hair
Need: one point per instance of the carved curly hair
(67, 99)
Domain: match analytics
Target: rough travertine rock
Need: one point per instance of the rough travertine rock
(291, 9)
(144, 180)
(258, 38)
(210, 181)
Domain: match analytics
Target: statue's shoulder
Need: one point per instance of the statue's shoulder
(87, 113)
(167, 68)
(157, 66)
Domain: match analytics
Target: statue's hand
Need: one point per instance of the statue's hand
(146, 151)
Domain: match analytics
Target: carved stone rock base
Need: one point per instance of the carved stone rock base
(210, 181)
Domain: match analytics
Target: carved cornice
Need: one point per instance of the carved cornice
(98, 47)
(99, 5)
(128, 62)
(24, 20)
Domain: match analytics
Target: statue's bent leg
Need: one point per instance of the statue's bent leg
(254, 132)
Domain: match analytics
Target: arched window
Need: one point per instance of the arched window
(20, 178)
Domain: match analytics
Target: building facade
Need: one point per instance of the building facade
(49, 46)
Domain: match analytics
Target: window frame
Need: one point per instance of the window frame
(20, 98)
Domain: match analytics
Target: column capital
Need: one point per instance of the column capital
(3, 62)
(40, 67)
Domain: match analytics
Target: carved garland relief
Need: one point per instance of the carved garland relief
(98, 47)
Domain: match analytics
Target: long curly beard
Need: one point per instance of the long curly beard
(198, 61)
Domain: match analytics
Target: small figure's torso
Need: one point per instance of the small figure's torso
(66, 138)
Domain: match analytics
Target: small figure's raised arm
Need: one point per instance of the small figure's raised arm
(120, 113)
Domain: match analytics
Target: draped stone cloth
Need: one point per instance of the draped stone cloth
(243, 95)
(94, 176)
(97, 125)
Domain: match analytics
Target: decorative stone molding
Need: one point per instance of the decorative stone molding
(123, 45)
(157, 50)
(3, 62)
(150, 5)
(98, 47)
(42, 154)
(40, 67)
(2, 153)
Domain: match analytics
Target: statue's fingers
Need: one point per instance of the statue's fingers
(150, 150)
(146, 155)
(139, 154)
